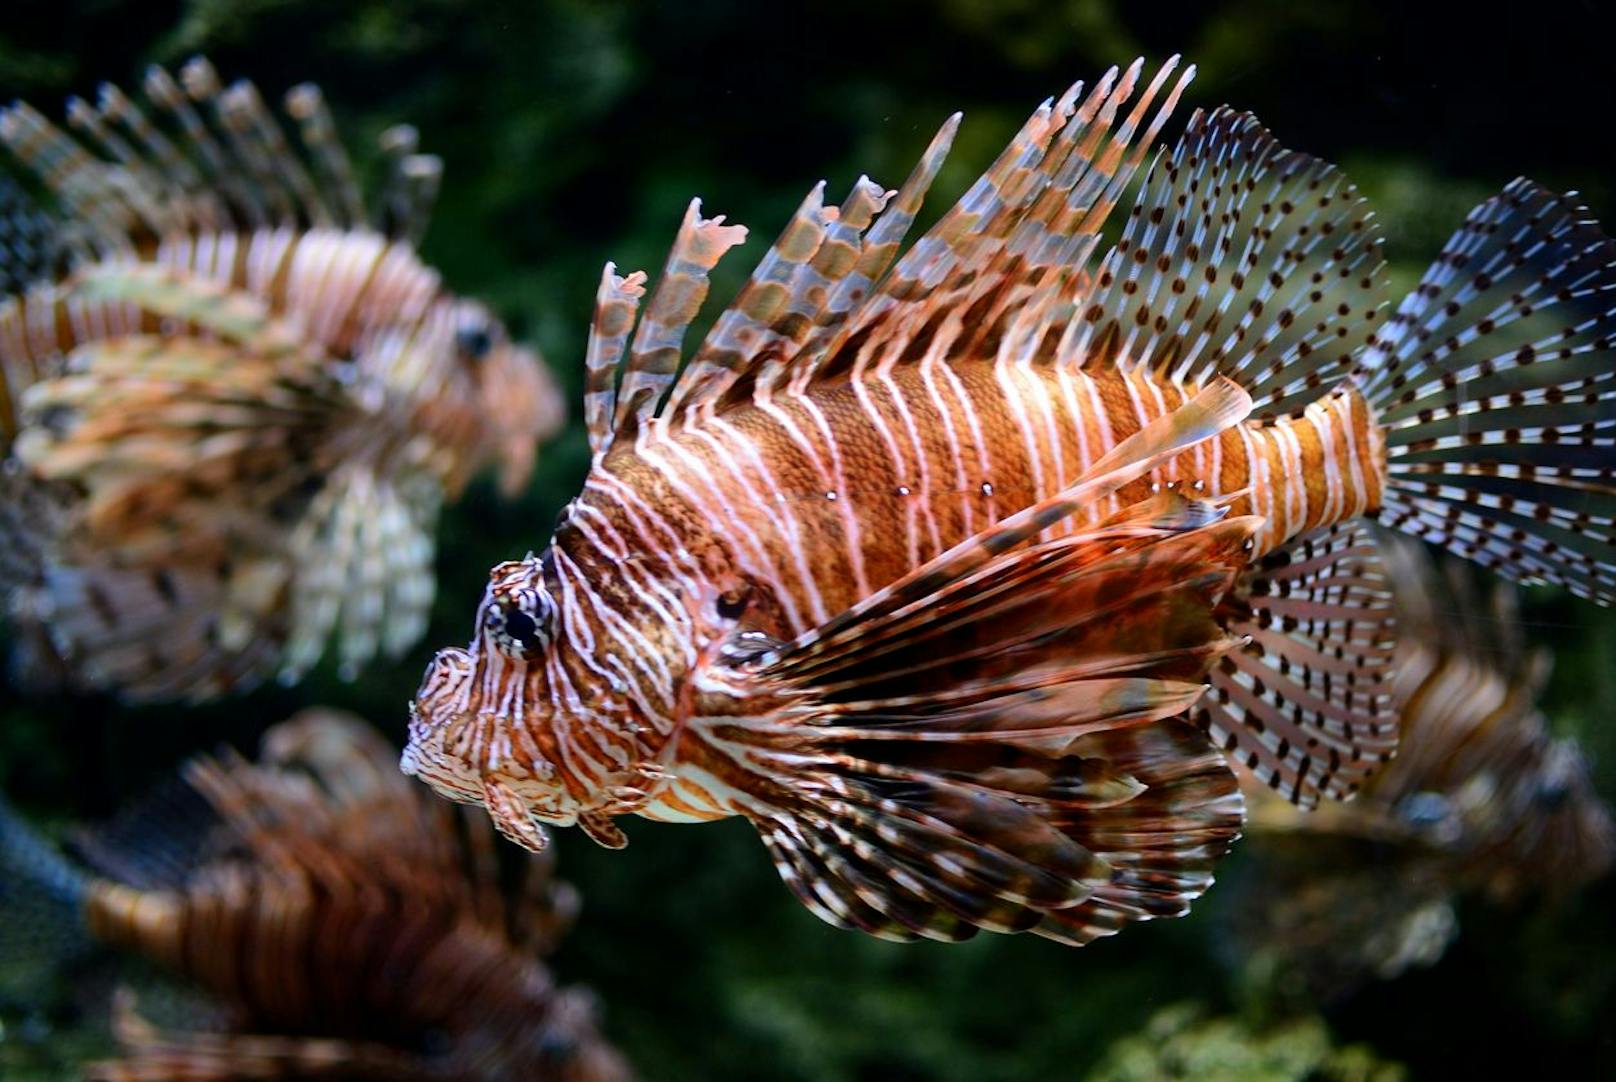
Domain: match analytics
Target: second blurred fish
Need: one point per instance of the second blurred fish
(347, 924)
(1481, 799)
(233, 397)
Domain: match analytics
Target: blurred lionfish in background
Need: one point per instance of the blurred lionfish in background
(1480, 799)
(233, 399)
(957, 573)
(350, 925)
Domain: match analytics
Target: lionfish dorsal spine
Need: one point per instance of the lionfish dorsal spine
(1239, 258)
(757, 321)
(653, 359)
(617, 302)
(411, 185)
(833, 280)
(306, 105)
(229, 165)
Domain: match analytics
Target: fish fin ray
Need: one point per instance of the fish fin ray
(832, 293)
(156, 634)
(1306, 703)
(1164, 843)
(363, 553)
(153, 843)
(200, 155)
(1020, 238)
(1242, 259)
(1494, 383)
(913, 798)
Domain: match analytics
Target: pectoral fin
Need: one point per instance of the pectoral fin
(989, 743)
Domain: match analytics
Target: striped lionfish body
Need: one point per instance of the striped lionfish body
(233, 398)
(958, 573)
(1480, 799)
(352, 927)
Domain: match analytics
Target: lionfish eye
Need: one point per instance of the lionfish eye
(557, 1049)
(517, 632)
(732, 603)
(521, 628)
(474, 341)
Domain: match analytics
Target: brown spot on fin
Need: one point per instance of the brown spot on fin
(1240, 259)
(1493, 382)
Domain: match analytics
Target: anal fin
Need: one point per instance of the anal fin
(1306, 703)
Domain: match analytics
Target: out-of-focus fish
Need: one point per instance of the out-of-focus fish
(233, 399)
(1480, 798)
(351, 926)
(853, 569)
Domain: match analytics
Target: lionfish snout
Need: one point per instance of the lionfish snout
(472, 738)
(438, 715)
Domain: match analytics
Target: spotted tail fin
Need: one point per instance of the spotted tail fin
(1495, 382)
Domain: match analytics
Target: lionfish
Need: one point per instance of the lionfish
(351, 925)
(959, 573)
(1481, 799)
(233, 399)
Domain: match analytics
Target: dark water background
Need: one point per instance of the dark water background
(574, 132)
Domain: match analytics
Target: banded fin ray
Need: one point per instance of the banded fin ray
(186, 453)
(922, 791)
(1306, 703)
(1494, 380)
(366, 549)
(832, 294)
(1239, 258)
(173, 633)
(203, 156)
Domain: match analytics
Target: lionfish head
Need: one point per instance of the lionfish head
(545, 719)
(518, 399)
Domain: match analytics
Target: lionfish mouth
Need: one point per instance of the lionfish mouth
(440, 715)
(455, 745)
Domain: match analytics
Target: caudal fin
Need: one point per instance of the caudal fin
(1495, 382)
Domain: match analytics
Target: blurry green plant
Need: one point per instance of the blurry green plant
(1181, 1042)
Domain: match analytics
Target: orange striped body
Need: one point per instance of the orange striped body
(307, 965)
(829, 571)
(807, 504)
(822, 499)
